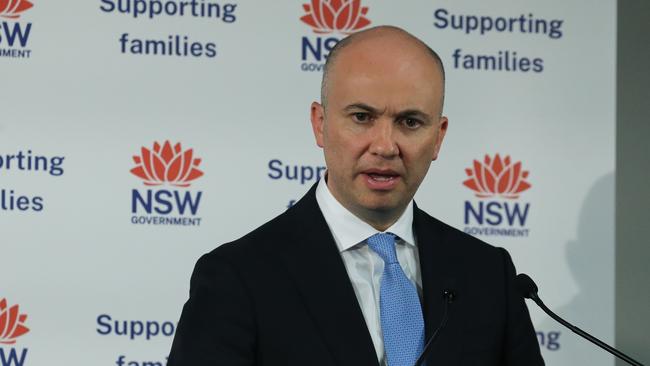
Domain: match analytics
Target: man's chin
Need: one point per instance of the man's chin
(383, 205)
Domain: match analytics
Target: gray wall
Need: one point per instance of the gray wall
(633, 181)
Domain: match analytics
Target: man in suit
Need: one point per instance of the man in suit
(354, 273)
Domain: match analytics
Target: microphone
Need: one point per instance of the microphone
(528, 289)
(449, 296)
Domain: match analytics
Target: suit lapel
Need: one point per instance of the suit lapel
(315, 265)
(438, 274)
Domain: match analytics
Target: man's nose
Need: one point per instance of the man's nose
(383, 139)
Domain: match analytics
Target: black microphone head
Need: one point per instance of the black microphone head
(526, 286)
(449, 295)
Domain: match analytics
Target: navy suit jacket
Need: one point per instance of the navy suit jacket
(281, 296)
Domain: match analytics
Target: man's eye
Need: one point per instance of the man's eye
(361, 117)
(411, 123)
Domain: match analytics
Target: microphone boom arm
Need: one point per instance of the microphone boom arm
(449, 296)
(528, 289)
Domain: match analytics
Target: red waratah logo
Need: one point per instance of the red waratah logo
(12, 8)
(327, 16)
(11, 323)
(167, 164)
(497, 177)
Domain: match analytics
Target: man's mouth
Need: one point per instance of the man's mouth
(381, 179)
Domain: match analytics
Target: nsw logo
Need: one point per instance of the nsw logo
(168, 168)
(326, 17)
(497, 182)
(12, 327)
(14, 34)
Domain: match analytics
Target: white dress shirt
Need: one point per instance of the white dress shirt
(363, 265)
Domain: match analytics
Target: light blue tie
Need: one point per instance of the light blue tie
(399, 305)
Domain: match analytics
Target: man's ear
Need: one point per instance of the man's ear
(318, 122)
(442, 130)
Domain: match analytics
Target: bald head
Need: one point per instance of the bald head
(382, 40)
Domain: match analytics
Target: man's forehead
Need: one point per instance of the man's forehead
(404, 70)
(379, 46)
(384, 54)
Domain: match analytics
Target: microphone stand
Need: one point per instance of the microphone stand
(531, 293)
(449, 296)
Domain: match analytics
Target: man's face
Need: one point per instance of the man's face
(381, 127)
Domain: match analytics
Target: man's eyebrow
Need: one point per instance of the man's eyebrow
(362, 106)
(399, 115)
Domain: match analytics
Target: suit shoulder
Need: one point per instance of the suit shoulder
(255, 243)
(277, 233)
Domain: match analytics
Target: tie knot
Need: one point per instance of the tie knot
(384, 245)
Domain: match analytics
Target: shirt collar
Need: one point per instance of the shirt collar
(349, 230)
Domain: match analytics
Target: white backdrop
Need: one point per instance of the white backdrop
(80, 98)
